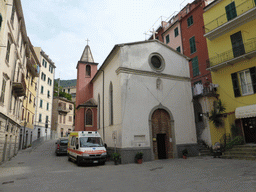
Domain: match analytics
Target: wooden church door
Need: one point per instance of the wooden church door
(161, 133)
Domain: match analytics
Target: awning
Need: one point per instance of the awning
(245, 111)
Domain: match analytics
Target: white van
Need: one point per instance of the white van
(86, 147)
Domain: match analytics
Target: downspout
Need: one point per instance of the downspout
(103, 125)
(84, 119)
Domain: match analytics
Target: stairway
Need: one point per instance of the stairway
(204, 151)
(246, 152)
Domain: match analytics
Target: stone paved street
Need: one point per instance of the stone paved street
(40, 170)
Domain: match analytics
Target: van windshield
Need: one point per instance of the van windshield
(91, 142)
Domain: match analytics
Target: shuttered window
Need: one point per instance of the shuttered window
(231, 11)
(176, 32)
(190, 21)
(195, 66)
(178, 49)
(192, 44)
(167, 39)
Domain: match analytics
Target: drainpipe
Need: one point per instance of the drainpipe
(103, 125)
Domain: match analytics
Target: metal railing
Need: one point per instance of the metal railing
(240, 9)
(232, 53)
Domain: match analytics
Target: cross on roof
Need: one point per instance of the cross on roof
(87, 40)
(154, 33)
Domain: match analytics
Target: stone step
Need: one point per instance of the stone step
(245, 153)
(239, 157)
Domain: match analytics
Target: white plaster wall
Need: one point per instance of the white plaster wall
(110, 76)
(140, 96)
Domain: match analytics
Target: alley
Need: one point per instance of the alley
(41, 170)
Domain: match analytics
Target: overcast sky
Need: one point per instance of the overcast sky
(61, 27)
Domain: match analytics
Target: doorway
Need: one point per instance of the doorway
(249, 125)
(161, 148)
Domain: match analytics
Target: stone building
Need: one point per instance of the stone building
(62, 116)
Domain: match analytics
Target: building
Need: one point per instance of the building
(13, 64)
(69, 86)
(139, 100)
(29, 102)
(231, 40)
(62, 116)
(43, 116)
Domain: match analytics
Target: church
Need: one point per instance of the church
(139, 100)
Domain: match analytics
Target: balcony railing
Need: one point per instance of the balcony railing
(244, 49)
(19, 87)
(32, 65)
(240, 9)
(63, 109)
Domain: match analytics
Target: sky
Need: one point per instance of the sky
(61, 27)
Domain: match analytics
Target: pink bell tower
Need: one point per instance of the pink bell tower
(86, 107)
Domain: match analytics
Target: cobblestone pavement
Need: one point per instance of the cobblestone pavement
(40, 170)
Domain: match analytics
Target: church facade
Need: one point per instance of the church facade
(140, 100)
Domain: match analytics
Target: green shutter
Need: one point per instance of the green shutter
(167, 39)
(192, 45)
(235, 85)
(195, 66)
(253, 76)
(231, 11)
(176, 31)
(178, 49)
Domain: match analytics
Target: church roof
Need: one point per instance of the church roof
(87, 55)
(90, 103)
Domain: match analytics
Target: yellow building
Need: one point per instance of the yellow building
(231, 40)
(29, 103)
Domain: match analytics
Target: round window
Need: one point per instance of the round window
(156, 62)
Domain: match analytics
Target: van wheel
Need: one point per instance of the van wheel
(69, 159)
(78, 161)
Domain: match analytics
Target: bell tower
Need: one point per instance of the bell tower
(86, 69)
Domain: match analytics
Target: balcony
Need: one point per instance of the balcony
(63, 109)
(33, 67)
(246, 12)
(19, 87)
(240, 53)
(200, 90)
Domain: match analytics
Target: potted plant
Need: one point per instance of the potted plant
(185, 153)
(139, 157)
(116, 157)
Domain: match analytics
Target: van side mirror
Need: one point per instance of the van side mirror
(105, 145)
(76, 146)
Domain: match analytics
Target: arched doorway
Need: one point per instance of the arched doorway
(162, 134)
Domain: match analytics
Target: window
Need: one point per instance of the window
(156, 62)
(190, 21)
(237, 44)
(13, 11)
(42, 89)
(49, 81)
(88, 117)
(244, 82)
(47, 106)
(41, 103)
(70, 107)
(46, 121)
(48, 94)
(40, 118)
(192, 43)
(195, 66)
(64, 90)
(178, 49)
(3, 91)
(28, 117)
(32, 119)
(88, 70)
(30, 98)
(167, 39)
(43, 76)
(111, 116)
(8, 51)
(1, 20)
(176, 32)
(231, 11)
(60, 118)
(68, 91)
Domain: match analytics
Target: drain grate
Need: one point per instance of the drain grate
(7, 182)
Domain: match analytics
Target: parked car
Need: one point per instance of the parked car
(61, 146)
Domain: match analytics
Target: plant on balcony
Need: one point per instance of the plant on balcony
(217, 113)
